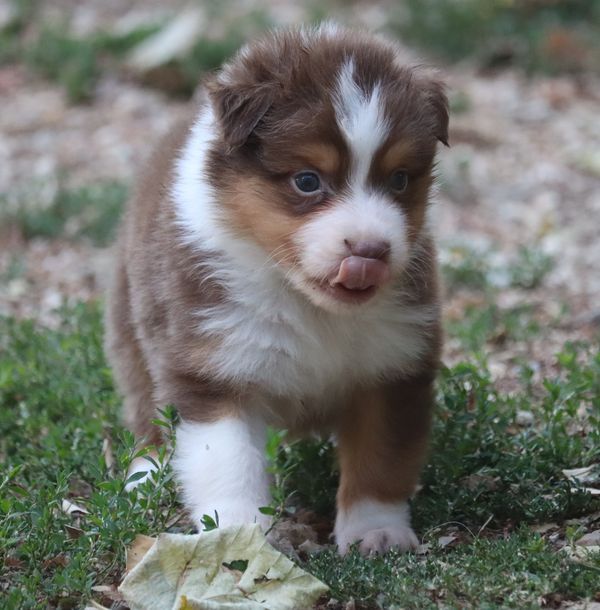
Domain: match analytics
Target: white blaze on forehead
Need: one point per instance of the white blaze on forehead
(361, 120)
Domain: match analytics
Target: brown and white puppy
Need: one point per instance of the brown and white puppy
(276, 268)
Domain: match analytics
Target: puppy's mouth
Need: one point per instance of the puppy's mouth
(356, 280)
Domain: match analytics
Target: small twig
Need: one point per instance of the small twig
(484, 525)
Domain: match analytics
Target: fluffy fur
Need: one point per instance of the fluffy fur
(246, 301)
(222, 468)
(377, 525)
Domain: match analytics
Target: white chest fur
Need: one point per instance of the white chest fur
(270, 335)
(275, 338)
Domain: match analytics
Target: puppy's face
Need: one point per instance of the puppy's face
(324, 158)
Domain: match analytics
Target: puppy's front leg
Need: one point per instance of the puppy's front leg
(221, 467)
(383, 440)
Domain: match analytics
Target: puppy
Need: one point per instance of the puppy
(275, 268)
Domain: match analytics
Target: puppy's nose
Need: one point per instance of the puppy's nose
(371, 248)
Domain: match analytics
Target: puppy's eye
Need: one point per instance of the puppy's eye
(307, 182)
(399, 181)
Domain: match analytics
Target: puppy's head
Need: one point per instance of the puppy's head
(324, 158)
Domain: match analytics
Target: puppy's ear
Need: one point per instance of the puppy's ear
(435, 102)
(438, 102)
(239, 107)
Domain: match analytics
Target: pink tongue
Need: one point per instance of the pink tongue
(359, 273)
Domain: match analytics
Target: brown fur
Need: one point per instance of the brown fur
(276, 117)
(383, 439)
(155, 357)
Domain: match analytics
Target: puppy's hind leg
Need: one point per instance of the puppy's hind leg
(131, 374)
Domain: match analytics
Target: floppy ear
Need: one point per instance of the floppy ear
(239, 108)
(438, 102)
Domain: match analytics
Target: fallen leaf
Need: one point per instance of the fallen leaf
(73, 532)
(109, 591)
(71, 508)
(107, 453)
(580, 553)
(593, 491)
(138, 549)
(13, 562)
(478, 481)
(310, 548)
(180, 571)
(60, 560)
(444, 541)
(544, 528)
(92, 605)
(587, 474)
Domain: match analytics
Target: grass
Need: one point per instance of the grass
(89, 212)
(77, 62)
(58, 410)
(537, 35)
(57, 406)
(468, 267)
(518, 571)
(50, 50)
(490, 479)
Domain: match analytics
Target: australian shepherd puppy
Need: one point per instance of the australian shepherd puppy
(276, 268)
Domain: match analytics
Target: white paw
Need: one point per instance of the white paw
(382, 540)
(376, 526)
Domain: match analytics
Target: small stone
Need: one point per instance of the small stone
(524, 419)
(590, 539)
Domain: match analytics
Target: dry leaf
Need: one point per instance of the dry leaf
(73, 532)
(544, 528)
(310, 548)
(188, 572)
(580, 553)
(71, 508)
(476, 481)
(92, 605)
(593, 491)
(107, 453)
(138, 549)
(587, 474)
(444, 541)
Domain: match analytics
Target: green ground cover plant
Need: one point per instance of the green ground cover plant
(537, 35)
(74, 62)
(89, 212)
(491, 478)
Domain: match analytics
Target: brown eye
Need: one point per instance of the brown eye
(307, 183)
(399, 181)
